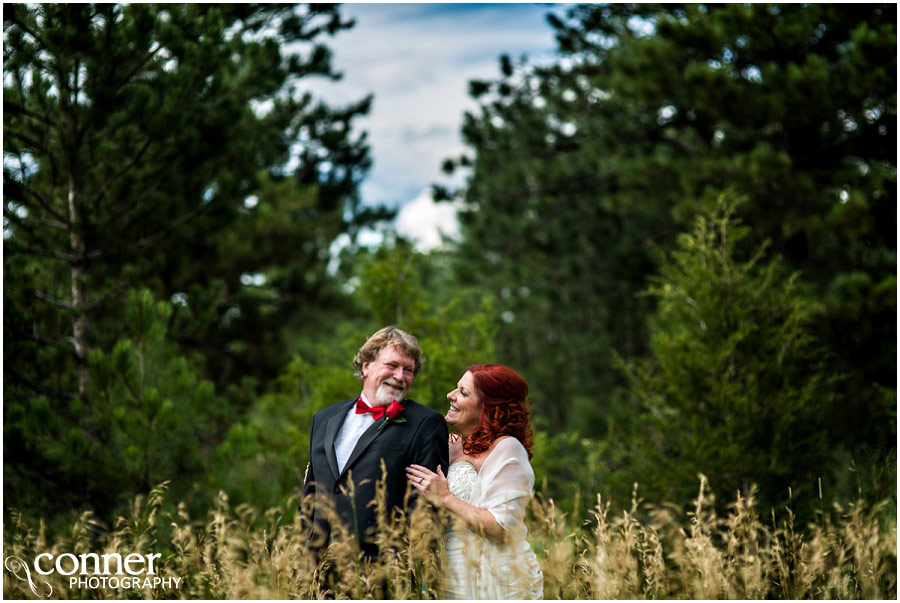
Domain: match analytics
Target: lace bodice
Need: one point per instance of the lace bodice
(462, 480)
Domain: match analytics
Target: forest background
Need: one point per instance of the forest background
(682, 232)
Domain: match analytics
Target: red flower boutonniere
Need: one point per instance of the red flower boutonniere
(392, 413)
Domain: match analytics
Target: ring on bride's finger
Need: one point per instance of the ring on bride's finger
(421, 479)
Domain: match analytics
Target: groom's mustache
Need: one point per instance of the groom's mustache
(393, 383)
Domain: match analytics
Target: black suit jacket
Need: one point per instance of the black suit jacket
(422, 440)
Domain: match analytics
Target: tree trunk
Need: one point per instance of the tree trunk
(81, 323)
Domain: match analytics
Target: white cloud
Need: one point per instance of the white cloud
(424, 221)
(417, 59)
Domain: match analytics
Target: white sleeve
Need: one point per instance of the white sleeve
(507, 482)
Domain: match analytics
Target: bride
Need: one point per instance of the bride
(487, 488)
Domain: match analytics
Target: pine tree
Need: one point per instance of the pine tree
(736, 386)
(583, 167)
(136, 139)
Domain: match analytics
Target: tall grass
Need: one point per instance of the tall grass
(649, 551)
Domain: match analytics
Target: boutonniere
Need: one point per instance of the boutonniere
(392, 413)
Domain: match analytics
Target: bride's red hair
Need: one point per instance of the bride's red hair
(504, 408)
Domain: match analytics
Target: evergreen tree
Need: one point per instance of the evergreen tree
(736, 385)
(582, 167)
(136, 139)
(148, 418)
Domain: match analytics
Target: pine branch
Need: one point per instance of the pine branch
(67, 304)
(41, 202)
(140, 64)
(19, 109)
(18, 135)
(120, 173)
(34, 35)
(681, 145)
(48, 253)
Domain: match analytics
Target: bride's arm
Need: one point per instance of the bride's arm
(434, 487)
(479, 520)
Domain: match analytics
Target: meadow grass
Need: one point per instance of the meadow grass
(646, 552)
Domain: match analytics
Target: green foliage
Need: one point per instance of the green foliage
(452, 334)
(581, 167)
(272, 439)
(736, 386)
(134, 137)
(134, 134)
(570, 469)
(149, 417)
(391, 285)
(247, 306)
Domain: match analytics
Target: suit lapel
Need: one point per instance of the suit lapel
(367, 437)
(332, 428)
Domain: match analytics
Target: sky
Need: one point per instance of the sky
(417, 60)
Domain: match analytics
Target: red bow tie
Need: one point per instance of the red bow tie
(377, 411)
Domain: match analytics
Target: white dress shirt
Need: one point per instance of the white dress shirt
(353, 427)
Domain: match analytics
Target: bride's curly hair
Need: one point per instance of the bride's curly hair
(504, 408)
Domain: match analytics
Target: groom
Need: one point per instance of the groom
(353, 438)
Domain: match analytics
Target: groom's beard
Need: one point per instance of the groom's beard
(385, 394)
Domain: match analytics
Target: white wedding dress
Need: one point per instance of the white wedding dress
(477, 567)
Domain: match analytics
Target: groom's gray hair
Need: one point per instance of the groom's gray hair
(402, 340)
